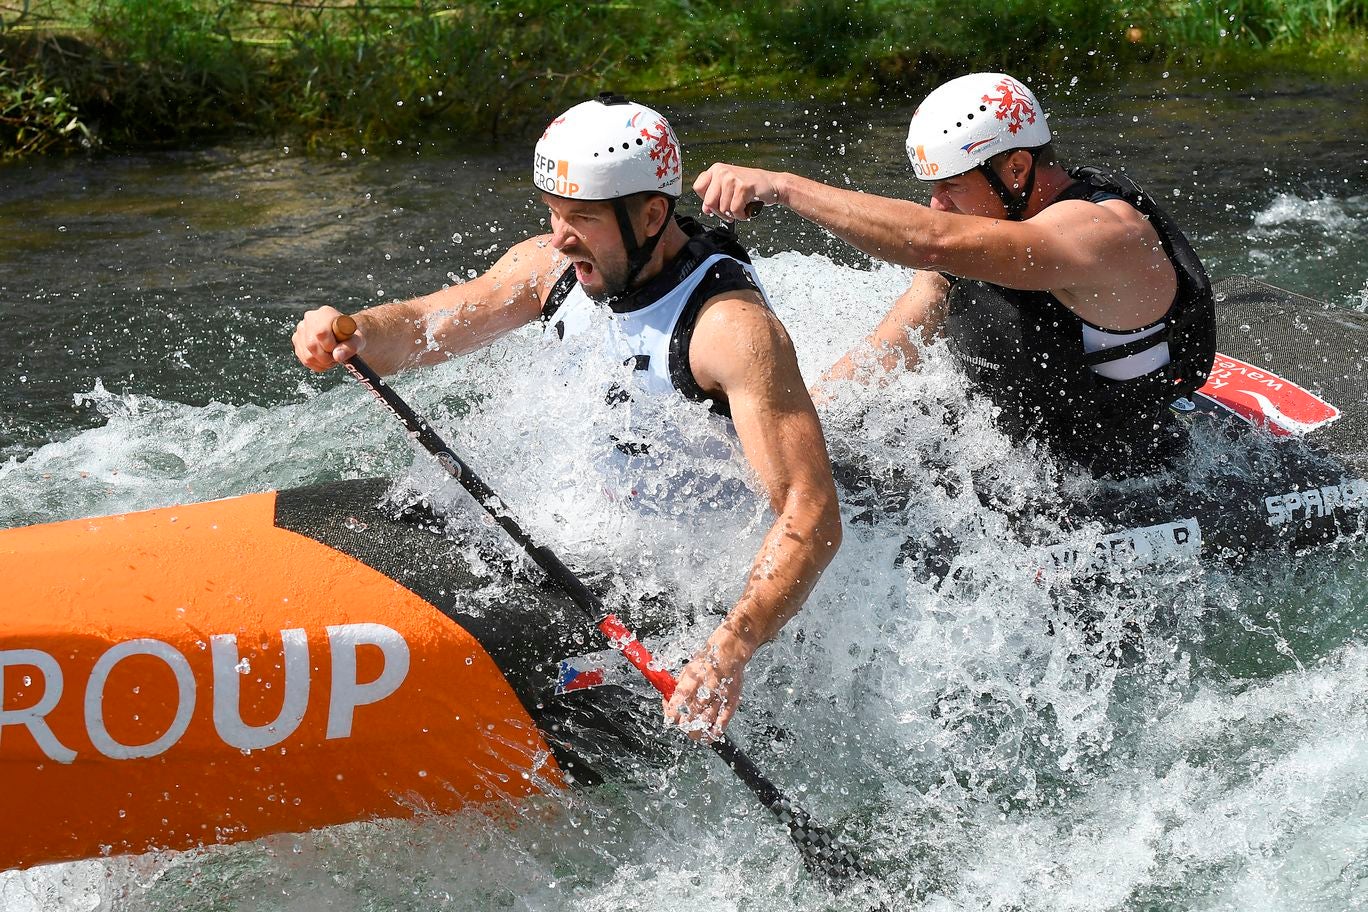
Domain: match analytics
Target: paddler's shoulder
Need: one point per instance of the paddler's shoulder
(737, 336)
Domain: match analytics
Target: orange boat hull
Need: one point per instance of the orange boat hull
(200, 674)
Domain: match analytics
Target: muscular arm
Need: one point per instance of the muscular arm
(920, 311)
(449, 322)
(1091, 255)
(740, 350)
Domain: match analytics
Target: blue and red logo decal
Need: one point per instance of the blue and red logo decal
(572, 678)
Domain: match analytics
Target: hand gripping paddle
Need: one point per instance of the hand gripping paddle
(822, 853)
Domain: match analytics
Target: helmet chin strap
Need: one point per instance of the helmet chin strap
(638, 255)
(1015, 205)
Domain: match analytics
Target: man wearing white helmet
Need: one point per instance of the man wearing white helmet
(685, 310)
(1068, 296)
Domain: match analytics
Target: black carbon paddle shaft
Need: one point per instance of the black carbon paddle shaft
(821, 852)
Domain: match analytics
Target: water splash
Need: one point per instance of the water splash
(1289, 213)
(1185, 740)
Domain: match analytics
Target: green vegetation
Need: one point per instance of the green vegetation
(348, 73)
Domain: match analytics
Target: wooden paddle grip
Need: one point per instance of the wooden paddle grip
(343, 327)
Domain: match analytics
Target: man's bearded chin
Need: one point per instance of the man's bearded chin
(614, 285)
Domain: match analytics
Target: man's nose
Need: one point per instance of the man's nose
(561, 237)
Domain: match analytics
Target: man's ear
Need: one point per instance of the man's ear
(654, 213)
(1018, 166)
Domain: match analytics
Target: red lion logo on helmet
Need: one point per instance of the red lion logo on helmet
(1011, 104)
(664, 149)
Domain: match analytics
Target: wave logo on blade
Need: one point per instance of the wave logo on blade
(1265, 399)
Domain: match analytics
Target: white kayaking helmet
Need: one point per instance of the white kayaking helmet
(606, 150)
(968, 120)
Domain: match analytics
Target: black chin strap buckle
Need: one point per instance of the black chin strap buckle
(1015, 205)
(638, 255)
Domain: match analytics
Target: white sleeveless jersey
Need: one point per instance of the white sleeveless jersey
(653, 462)
(651, 328)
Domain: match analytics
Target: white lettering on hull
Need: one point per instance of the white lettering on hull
(227, 700)
(33, 717)
(94, 699)
(1129, 548)
(1349, 495)
(349, 693)
(346, 694)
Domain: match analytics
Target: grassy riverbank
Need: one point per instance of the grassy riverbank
(349, 73)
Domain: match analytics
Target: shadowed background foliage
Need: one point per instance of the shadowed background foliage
(344, 73)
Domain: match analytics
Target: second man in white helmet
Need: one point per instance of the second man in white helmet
(1068, 296)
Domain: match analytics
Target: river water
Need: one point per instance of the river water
(982, 759)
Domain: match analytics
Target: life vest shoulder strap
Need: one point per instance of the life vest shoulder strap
(557, 295)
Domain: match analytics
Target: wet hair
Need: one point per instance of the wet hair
(1044, 155)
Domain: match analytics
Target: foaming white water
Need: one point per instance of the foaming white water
(1309, 240)
(1248, 795)
(980, 739)
(153, 453)
(1290, 213)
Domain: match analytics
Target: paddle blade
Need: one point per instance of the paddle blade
(823, 854)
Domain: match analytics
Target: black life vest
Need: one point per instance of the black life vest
(1024, 349)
